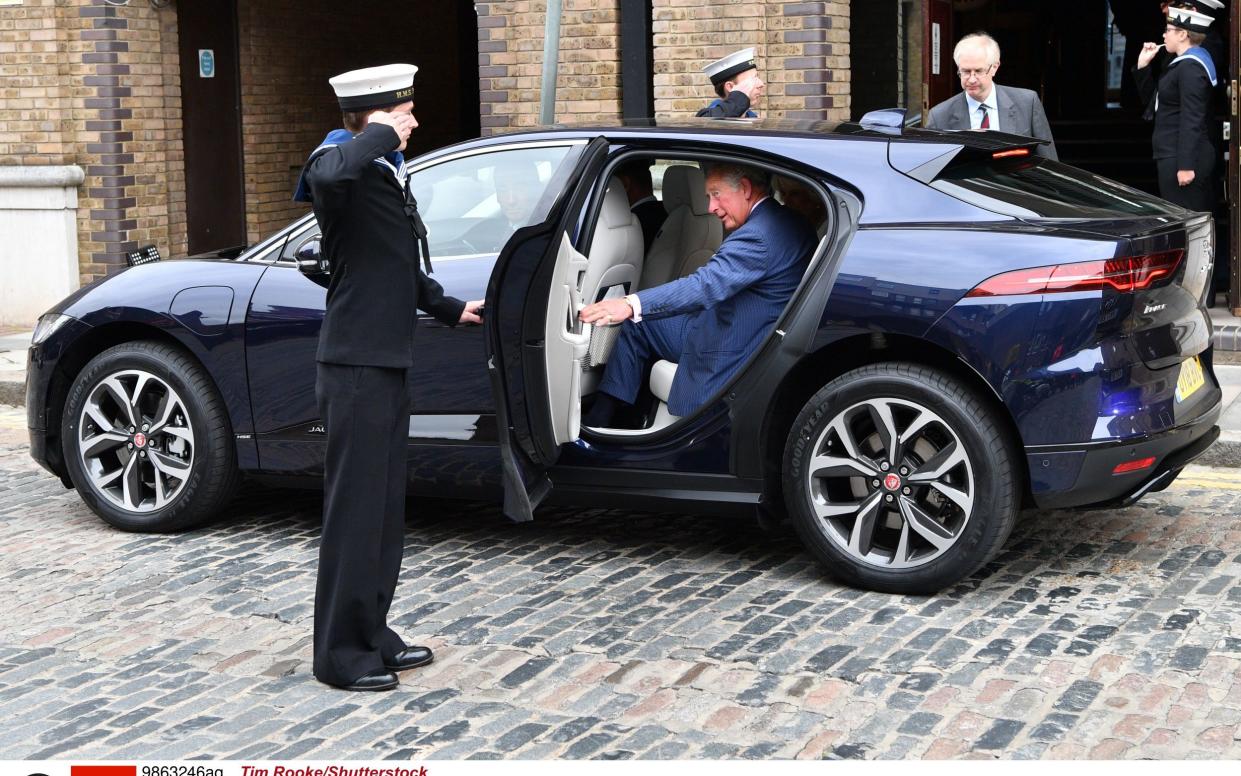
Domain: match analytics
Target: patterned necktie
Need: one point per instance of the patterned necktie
(986, 117)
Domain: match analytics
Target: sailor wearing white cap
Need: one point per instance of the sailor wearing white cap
(371, 233)
(1214, 43)
(736, 81)
(1208, 7)
(1181, 105)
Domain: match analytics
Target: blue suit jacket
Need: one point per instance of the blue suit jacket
(733, 300)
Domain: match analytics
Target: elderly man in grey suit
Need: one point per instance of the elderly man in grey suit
(985, 104)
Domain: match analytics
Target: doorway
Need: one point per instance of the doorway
(1079, 63)
(1081, 66)
(211, 125)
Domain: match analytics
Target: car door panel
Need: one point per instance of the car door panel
(518, 299)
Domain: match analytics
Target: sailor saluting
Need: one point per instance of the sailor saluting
(736, 81)
(372, 235)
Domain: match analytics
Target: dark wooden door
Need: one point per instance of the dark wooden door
(939, 72)
(211, 124)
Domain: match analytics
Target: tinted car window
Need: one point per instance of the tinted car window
(472, 205)
(1041, 188)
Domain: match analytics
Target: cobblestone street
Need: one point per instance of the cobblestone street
(607, 634)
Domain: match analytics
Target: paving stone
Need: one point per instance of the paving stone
(1087, 638)
(1000, 734)
(1078, 696)
(1053, 727)
(920, 723)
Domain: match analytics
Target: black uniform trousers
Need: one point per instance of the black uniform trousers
(1199, 195)
(366, 410)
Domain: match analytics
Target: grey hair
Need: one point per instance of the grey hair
(988, 43)
(733, 173)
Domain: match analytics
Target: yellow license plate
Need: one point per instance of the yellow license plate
(1190, 379)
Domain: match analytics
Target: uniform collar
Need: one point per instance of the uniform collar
(1202, 57)
(749, 114)
(393, 161)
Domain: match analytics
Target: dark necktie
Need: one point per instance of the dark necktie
(986, 117)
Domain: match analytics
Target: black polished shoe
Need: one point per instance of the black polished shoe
(410, 657)
(376, 681)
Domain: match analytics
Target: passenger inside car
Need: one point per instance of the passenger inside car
(635, 177)
(729, 306)
(801, 199)
(517, 190)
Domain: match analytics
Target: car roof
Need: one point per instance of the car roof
(807, 128)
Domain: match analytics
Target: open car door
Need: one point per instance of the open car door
(535, 344)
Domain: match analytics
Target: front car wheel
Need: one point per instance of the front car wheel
(147, 440)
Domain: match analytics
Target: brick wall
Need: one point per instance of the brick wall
(81, 83)
(119, 127)
(87, 83)
(33, 90)
(802, 54)
(510, 58)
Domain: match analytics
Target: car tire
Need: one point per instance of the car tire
(916, 524)
(147, 439)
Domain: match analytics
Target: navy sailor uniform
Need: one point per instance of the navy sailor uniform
(1181, 108)
(357, 188)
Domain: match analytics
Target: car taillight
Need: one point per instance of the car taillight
(1011, 152)
(1125, 275)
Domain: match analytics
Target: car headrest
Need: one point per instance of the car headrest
(685, 185)
(615, 211)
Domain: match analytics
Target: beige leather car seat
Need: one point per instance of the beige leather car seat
(690, 236)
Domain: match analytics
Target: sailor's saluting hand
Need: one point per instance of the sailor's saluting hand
(404, 123)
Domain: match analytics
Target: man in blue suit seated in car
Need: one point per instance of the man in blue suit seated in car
(711, 321)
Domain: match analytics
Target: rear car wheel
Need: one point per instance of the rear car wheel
(147, 439)
(899, 479)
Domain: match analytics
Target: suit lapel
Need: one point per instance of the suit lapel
(1007, 108)
(961, 112)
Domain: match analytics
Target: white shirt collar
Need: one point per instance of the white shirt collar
(993, 108)
(761, 201)
(644, 200)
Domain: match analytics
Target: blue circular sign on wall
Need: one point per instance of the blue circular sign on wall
(206, 63)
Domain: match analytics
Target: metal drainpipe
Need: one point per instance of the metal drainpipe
(551, 57)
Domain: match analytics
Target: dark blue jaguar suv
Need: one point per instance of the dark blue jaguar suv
(979, 331)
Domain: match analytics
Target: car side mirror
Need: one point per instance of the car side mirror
(312, 263)
(310, 258)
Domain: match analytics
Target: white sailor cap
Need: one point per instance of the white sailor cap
(374, 87)
(1189, 19)
(1205, 6)
(722, 70)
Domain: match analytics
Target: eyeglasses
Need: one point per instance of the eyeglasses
(975, 73)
